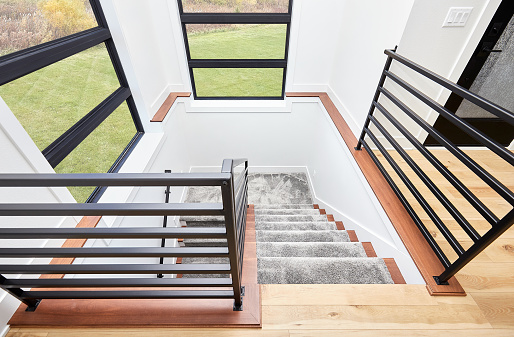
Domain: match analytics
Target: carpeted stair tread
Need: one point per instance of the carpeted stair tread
(259, 212)
(301, 236)
(205, 260)
(196, 218)
(292, 226)
(310, 249)
(283, 206)
(205, 242)
(325, 270)
(288, 218)
(203, 224)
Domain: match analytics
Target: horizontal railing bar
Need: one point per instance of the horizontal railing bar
(112, 179)
(115, 252)
(148, 209)
(419, 197)
(235, 18)
(239, 181)
(116, 282)
(473, 98)
(465, 159)
(127, 294)
(114, 233)
(226, 166)
(421, 226)
(237, 63)
(460, 123)
(238, 161)
(116, 269)
(454, 212)
(470, 197)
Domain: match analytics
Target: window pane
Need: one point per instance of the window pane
(235, 6)
(27, 23)
(100, 149)
(237, 41)
(49, 101)
(238, 82)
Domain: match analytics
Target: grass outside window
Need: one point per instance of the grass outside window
(49, 101)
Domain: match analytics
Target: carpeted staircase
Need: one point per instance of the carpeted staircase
(296, 244)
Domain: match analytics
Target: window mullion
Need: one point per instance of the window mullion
(69, 140)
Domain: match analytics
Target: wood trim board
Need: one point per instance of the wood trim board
(166, 106)
(426, 261)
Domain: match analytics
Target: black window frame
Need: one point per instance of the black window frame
(26, 61)
(236, 18)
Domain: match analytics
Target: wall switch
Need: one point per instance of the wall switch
(457, 16)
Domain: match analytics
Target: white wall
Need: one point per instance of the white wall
(145, 34)
(314, 32)
(366, 30)
(20, 155)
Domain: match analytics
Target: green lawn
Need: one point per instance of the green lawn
(242, 42)
(51, 100)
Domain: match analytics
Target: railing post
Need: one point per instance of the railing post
(17, 293)
(501, 227)
(227, 193)
(375, 99)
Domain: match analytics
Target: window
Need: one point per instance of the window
(236, 49)
(28, 23)
(70, 92)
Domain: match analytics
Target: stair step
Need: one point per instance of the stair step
(259, 212)
(295, 226)
(211, 224)
(205, 260)
(289, 218)
(324, 270)
(205, 242)
(310, 249)
(302, 236)
(198, 218)
(284, 206)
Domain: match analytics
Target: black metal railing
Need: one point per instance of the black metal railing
(498, 226)
(233, 208)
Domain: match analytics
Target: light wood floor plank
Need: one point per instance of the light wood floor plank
(345, 294)
(402, 333)
(487, 277)
(321, 317)
(498, 308)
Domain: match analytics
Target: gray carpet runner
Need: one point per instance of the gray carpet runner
(295, 243)
(300, 246)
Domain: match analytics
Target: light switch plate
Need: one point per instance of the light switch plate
(457, 16)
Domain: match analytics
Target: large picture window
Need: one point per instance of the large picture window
(236, 49)
(64, 82)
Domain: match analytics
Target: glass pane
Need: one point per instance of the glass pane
(49, 101)
(27, 23)
(235, 6)
(100, 149)
(237, 41)
(238, 82)
(495, 80)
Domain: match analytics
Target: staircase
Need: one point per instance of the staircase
(296, 243)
